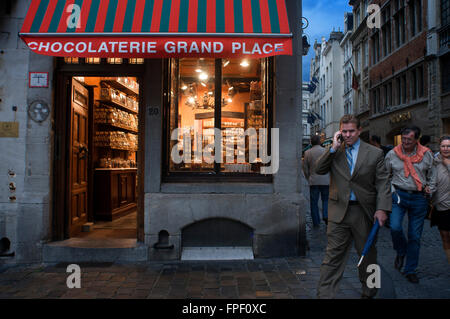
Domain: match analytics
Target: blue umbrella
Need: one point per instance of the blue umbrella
(372, 235)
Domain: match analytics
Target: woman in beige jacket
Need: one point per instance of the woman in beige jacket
(441, 198)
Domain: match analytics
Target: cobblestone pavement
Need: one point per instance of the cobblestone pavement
(293, 277)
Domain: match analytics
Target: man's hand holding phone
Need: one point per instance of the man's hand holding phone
(337, 140)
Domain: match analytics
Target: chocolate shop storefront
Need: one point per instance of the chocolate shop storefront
(174, 128)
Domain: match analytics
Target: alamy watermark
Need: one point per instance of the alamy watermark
(374, 18)
(187, 152)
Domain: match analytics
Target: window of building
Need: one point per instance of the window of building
(389, 95)
(398, 85)
(399, 20)
(445, 75)
(217, 105)
(445, 12)
(376, 48)
(366, 54)
(420, 82)
(403, 89)
(357, 18)
(375, 99)
(415, 16)
(356, 66)
(413, 84)
(386, 30)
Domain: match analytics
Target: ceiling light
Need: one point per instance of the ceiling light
(203, 76)
(184, 87)
(226, 63)
(198, 70)
(245, 63)
(203, 84)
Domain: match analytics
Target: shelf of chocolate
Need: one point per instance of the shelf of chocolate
(115, 98)
(123, 84)
(119, 126)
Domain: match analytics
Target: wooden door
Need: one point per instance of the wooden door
(78, 168)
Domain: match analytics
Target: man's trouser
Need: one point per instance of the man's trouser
(356, 226)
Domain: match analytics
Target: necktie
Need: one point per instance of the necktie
(348, 153)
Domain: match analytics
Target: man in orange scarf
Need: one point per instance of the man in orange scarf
(413, 180)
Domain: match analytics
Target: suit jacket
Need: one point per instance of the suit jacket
(369, 181)
(309, 161)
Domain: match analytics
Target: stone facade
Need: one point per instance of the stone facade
(275, 211)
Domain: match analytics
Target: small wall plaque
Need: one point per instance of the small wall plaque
(9, 129)
(38, 79)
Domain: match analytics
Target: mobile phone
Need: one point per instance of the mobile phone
(340, 138)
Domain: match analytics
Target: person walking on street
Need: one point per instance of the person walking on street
(318, 184)
(441, 198)
(375, 140)
(359, 197)
(412, 178)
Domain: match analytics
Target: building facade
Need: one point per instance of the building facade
(438, 61)
(95, 138)
(398, 70)
(306, 109)
(360, 61)
(346, 46)
(328, 101)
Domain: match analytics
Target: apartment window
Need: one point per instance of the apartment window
(415, 16)
(398, 91)
(376, 101)
(420, 82)
(376, 48)
(413, 84)
(399, 19)
(356, 66)
(403, 89)
(206, 95)
(445, 12)
(389, 95)
(386, 30)
(331, 74)
(357, 18)
(366, 54)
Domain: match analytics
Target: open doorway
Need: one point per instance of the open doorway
(102, 166)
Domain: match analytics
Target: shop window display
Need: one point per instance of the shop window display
(198, 129)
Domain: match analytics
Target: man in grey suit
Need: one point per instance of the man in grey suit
(359, 196)
(318, 184)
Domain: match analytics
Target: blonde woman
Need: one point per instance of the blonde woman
(441, 198)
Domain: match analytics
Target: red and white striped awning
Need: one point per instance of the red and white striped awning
(158, 28)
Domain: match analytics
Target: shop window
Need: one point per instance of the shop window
(218, 105)
(93, 60)
(136, 61)
(71, 60)
(114, 60)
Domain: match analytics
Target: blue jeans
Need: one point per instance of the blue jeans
(415, 205)
(314, 192)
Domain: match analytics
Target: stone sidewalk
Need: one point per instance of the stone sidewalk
(285, 278)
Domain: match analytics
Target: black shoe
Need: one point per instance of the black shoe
(398, 263)
(325, 220)
(412, 278)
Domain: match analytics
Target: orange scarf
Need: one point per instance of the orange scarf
(409, 160)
